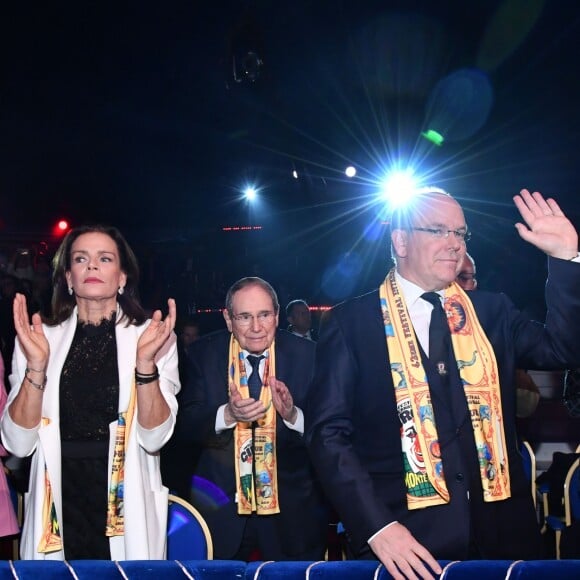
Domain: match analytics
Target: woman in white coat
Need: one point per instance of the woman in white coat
(93, 398)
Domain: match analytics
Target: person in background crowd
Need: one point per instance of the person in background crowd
(411, 414)
(299, 319)
(467, 276)
(242, 409)
(96, 382)
(190, 332)
(22, 264)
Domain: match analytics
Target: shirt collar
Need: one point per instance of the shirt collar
(411, 292)
(265, 354)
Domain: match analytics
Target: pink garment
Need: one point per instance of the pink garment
(8, 522)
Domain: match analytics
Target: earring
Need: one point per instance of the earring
(121, 290)
(70, 290)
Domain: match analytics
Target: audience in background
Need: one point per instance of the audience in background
(22, 264)
(466, 277)
(190, 332)
(299, 319)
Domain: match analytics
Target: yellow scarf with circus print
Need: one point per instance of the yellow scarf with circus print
(51, 539)
(255, 444)
(425, 480)
(115, 505)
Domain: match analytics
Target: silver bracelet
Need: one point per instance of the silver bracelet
(34, 370)
(39, 386)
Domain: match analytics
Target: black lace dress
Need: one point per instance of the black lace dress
(89, 395)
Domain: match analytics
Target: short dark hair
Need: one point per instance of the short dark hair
(290, 306)
(63, 304)
(250, 281)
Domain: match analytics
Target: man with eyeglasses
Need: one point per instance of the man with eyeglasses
(242, 409)
(411, 416)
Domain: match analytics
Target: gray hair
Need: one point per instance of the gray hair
(250, 281)
(402, 217)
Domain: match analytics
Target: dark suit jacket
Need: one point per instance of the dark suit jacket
(353, 429)
(302, 522)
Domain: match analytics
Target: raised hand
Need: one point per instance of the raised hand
(547, 227)
(245, 410)
(155, 336)
(402, 555)
(30, 335)
(282, 400)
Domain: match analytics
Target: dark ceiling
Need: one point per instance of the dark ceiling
(151, 115)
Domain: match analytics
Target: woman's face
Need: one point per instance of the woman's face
(95, 267)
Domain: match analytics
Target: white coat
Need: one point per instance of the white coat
(145, 498)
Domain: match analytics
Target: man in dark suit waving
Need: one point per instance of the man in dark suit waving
(412, 409)
(242, 409)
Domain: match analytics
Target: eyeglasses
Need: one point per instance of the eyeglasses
(466, 276)
(461, 235)
(246, 319)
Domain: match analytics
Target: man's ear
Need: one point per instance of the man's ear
(400, 239)
(227, 319)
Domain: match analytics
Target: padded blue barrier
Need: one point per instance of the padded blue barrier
(368, 569)
(278, 570)
(475, 569)
(335, 570)
(232, 570)
(552, 569)
(215, 569)
(88, 570)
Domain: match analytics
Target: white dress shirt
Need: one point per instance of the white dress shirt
(220, 421)
(419, 309)
(307, 335)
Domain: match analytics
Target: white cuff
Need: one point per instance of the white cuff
(377, 533)
(298, 424)
(220, 420)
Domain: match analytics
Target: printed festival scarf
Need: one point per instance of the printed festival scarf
(51, 539)
(477, 367)
(116, 506)
(255, 446)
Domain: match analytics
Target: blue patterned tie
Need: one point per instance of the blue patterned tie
(254, 380)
